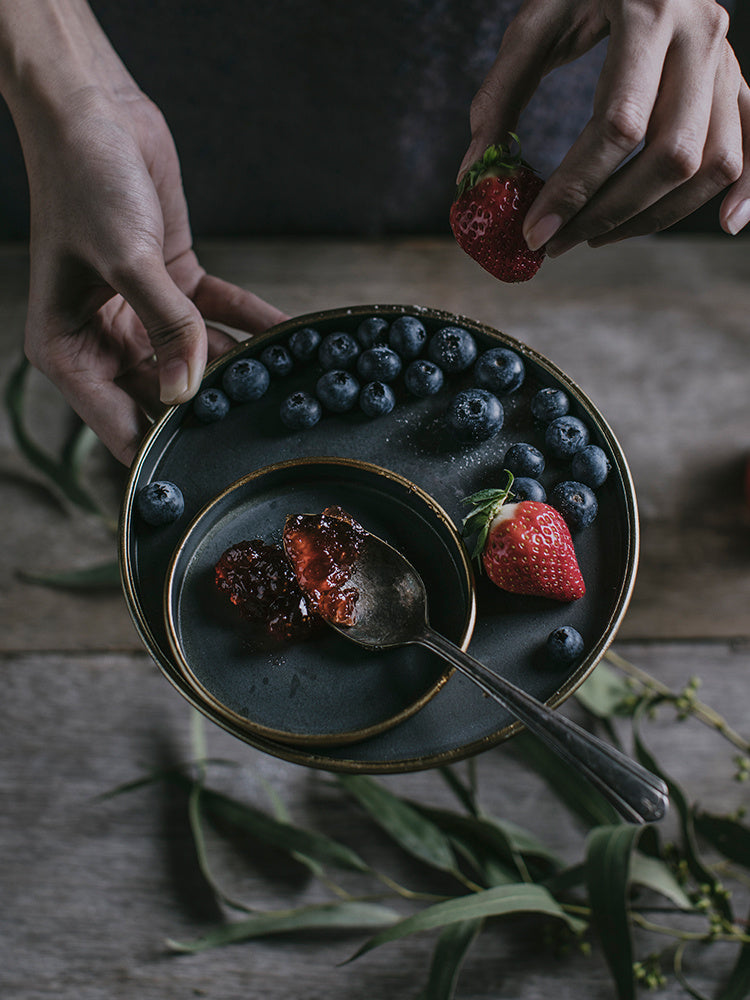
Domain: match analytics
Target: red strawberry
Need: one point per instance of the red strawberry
(525, 547)
(488, 212)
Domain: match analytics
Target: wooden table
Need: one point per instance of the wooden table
(656, 332)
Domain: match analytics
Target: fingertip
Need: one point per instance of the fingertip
(174, 381)
(735, 220)
(538, 233)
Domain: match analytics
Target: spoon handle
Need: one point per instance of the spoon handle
(638, 795)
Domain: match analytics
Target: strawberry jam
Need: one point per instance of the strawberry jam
(257, 578)
(322, 549)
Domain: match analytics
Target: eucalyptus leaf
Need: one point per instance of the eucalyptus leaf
(77, 449)
(281, 835)
(700, 871)
(496, 902)
(60, 474)
(573, 790)
(512, 851)
(465, 792)
(327, 916)
(727, 835)
(450, 951)
(738, 984)
(608, 856)
(604, 691)
(281, 813)
(655, 874)
(104, 576)
(414, 832)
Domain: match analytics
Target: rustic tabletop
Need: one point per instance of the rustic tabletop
(656, 333)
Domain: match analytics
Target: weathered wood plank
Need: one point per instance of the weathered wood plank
(91, 889)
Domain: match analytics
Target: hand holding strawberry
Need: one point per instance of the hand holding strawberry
(487, 215)
(526, 547)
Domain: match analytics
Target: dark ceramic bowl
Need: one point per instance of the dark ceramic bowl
(412, 442)
(322, 690)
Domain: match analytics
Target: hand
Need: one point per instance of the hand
(117, 296)
(670, 126)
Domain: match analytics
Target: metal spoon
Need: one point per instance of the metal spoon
(392, 611)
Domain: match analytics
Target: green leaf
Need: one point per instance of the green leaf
(738, 984)
(700, 871)
(63, 475)
(328, 916)
(608, 855)
(281, 835)
(604, 691)
(500, 851)
(727, 835)
(450, 951)
(465, 792)
(104, 576)
(566, 782)
(655, 874)
(411, 830)
(281, 813)
(496, 902)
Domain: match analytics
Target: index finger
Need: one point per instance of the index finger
(623, 102)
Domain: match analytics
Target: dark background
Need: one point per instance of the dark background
(328, 117)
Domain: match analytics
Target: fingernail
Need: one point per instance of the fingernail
(542, 231)
(174, 381)
(739, 217)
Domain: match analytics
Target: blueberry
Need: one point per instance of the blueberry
(160, 502)
(474, 415)
(548, 404)
(423, 378)
(304, 343)
(590, 465)
(452, 348)
(565, 436)
(499, 370)
(245, 380)
(376, 399)
(576, 502)
(372, 331)
(524, 488)
(338, 350)
(277, 359)
(407, 336)
(379, 364)
(211, 405)
(524, 460)
(337, 391)
(299, 411)
(564, 646)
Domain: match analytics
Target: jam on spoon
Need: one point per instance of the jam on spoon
(258, 580)
(322, 550)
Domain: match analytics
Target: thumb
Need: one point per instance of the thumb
(174, 326)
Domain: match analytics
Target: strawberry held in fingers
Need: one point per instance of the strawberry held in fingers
(525, 547)
(488, 212)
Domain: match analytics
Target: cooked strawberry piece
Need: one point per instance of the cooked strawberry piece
(322, 550)
(259, 581)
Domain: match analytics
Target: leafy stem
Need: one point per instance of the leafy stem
(685, 701)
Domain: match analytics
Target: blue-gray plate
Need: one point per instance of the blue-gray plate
(412, 441)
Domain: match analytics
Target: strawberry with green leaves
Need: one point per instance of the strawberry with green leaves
(488, 212)
(524, 547)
